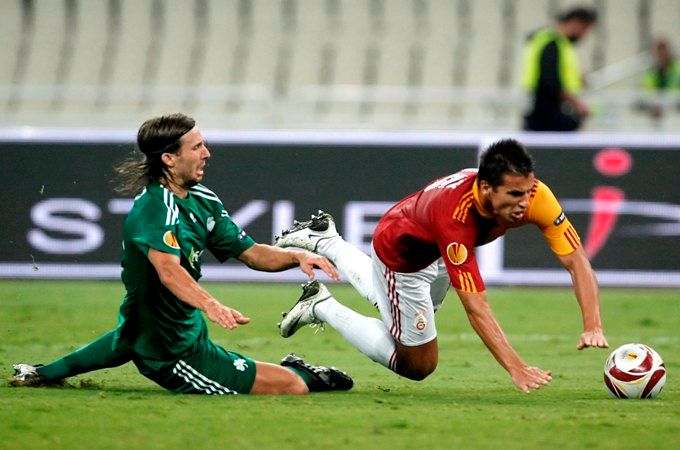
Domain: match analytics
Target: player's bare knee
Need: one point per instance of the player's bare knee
(294, 385)
(419, 373)
(416, 371)
(299, 387)
(417, 363)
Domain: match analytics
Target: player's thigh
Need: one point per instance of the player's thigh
(274, 379)
(209, 369)
(405, 303)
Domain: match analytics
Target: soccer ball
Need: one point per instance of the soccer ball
(634, 371)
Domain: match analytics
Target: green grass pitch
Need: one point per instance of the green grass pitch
(469, 402)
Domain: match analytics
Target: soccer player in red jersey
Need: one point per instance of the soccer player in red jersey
(426, 243)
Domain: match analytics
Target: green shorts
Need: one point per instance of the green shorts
(209, 369)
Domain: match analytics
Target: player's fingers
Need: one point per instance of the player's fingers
(544, 378)
(239, 318)
(540, 372)
(307, 270)
(218, 319)
(224, 323)
(330, 270)
(229, 319)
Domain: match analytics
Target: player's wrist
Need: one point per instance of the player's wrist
(593, 329)
(210, 303)
(298, 256)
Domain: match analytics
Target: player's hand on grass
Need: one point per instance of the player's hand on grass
(224, 316)
(592, 338)
(308, 261)
(527, 378)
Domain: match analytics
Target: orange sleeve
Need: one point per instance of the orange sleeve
(546, 212)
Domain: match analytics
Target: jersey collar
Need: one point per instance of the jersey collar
(478, 204)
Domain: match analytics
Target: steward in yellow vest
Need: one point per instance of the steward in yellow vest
(664, 75)
(552, 75)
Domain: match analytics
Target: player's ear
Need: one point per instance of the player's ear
(168, 159)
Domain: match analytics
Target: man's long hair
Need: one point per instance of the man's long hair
(155, 137)
(504, 157)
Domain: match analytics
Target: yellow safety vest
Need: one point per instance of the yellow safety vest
(651, 81)
(568, 65)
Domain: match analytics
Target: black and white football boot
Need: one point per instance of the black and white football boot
(323, 378)
(307, 235)
(302, 313)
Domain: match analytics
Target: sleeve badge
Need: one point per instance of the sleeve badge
(170, 240)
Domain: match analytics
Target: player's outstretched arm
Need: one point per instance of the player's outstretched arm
(487, 327)
(179, 282)
(587, 294)
(274, 259)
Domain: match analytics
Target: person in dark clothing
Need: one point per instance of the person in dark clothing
(552, 75)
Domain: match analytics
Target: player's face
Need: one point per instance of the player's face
(188, 163)
(510, 200)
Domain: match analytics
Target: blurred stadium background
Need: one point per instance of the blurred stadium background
(346, 105)
(301, 64)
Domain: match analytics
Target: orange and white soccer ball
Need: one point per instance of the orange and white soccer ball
(634, 371)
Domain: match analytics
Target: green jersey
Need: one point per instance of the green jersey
(155, 324)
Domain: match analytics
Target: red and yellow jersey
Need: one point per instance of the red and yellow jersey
(446, 219)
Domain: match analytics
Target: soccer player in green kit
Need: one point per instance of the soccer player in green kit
(161, 328)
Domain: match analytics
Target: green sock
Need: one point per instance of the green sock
(307, 378)
(94, 356)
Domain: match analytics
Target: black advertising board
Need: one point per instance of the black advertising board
(64, 219)
(624, 202)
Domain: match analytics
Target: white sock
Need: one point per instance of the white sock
(352, 263)
(367, 334)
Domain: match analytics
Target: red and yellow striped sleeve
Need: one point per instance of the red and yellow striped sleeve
(546, 212)
(466, 282)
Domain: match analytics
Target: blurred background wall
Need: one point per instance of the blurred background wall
(346, 105)
(321, 64)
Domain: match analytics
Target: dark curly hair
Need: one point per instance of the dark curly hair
(502, 157)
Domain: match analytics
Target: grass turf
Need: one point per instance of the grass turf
(469, 402)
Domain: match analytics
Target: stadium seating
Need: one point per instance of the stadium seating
(433, 64)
